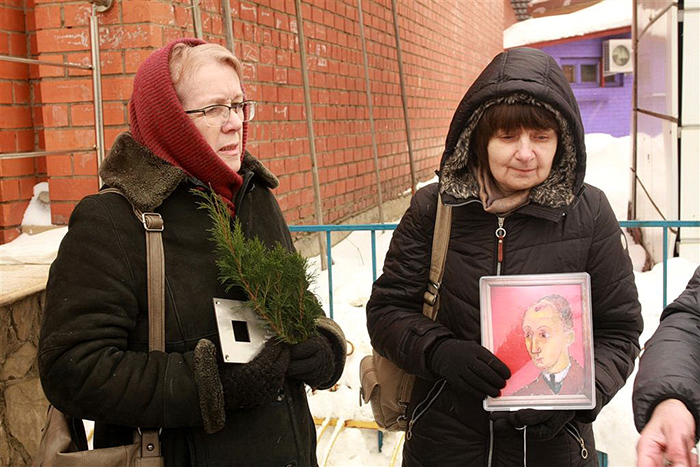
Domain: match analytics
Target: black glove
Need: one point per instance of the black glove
(256, 382)
(541, 424)
(312, 361)
(469, 368)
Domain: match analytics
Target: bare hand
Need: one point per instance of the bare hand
(668, 438)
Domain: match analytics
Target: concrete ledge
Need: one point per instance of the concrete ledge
(18, 281)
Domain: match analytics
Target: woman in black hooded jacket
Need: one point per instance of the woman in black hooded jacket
(553, 223)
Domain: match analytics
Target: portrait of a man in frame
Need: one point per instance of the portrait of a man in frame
(548, 332)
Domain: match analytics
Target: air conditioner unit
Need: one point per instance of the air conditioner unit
(617, 56)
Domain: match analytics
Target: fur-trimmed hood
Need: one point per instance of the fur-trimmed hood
(148, 180)
(521, 75)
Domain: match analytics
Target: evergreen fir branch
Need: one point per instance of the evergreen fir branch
(275, 280)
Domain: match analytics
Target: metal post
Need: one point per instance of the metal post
(374, 255)
(97, 84)
(197, 17)
(665, 268)
(403, 97)
(635, 40)
(228, 25)
(330, 271)
(310, 127)
(380, 203)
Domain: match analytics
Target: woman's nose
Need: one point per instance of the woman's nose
(525, 151)
(234, 123)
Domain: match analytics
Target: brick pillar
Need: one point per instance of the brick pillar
(17, 176)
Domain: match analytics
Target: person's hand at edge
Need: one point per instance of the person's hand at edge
(668, 437)
(468, 368)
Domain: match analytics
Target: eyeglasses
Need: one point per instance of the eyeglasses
(217, 115)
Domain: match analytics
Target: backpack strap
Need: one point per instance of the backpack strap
(441, 241)
(155, 268)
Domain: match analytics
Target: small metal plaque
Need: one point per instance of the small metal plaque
(241, 331)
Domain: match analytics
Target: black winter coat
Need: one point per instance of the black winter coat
(567, 226)
(670, 365)
(93, 357)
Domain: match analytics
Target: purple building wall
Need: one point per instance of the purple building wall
(603, 109)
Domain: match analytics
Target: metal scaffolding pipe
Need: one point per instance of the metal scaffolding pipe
(228, 26)
(632, 210)
(21, 155)
(33, 61)
(403, 97)
(310, 127)
(97, 87)
(197, 19)
(375, 155)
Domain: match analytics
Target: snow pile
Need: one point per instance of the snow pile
(603, 16)
(40, 248)
(39, 211)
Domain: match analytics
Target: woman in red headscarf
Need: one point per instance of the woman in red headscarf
(188, 121)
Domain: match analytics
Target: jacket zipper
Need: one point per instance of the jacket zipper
(500, 235)
(571, 429)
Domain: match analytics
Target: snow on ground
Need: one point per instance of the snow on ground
(603, 16)
(607, 169)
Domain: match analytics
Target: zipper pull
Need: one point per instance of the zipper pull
(500, 235)
(574, 432)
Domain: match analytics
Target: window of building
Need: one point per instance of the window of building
(581, 72)
(569, 72)
(587, 73)
(613, 81)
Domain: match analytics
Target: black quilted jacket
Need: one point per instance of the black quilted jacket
(670, 365)
(567, 226)
(93, 354)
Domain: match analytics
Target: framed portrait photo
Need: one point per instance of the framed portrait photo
(540, 326)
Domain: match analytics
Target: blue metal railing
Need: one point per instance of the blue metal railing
(373, 228)
(665, 225)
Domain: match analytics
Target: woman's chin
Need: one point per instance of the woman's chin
(233, 161)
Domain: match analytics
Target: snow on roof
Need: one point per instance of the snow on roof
(603, 16)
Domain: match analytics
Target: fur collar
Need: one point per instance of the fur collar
(147, 180)
(457, 180)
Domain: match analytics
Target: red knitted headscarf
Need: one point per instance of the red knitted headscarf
(159, 122)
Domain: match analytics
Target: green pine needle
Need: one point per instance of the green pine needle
(276, 280)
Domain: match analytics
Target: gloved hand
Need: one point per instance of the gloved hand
(469, 368)
(256, 382)
(541, 424)
(312, 361)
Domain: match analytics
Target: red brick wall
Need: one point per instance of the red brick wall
(17, 176)
(445, 43)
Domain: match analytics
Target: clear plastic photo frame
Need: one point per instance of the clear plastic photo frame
(540, 326)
